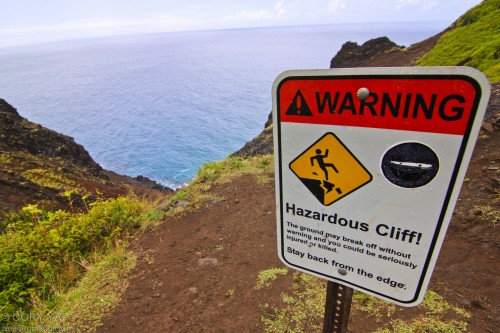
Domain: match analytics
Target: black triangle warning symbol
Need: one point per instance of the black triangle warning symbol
(299, 107)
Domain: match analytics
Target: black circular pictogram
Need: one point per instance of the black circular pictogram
(410, 165)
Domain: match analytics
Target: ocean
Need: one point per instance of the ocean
(161, 105)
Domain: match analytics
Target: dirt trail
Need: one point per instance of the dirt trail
(197, 273)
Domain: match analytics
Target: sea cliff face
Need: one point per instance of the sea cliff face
(382, 52)
(19, 134)
(41, 166)
(353, 55)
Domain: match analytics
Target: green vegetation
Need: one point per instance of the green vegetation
(431, 321)
(488, 214)
(223, 171)
(374, 307)
(43, 254)
(269, 275)
(302, 310)
(82, 307)
(427, 325)
(220, 172)
(182, 194)
(48, 178)
(474, 41)
(64, 270)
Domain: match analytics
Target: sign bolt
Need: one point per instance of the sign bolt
(342, 271)
(363, 93)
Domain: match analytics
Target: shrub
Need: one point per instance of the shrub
(39, 251)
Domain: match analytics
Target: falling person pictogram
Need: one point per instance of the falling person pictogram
(328, 165)
(320, 159)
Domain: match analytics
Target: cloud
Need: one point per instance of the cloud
(406, 3)
(422, 4)
(198, 6)
(247, 15)
(100, 24)
(336, 6)
(35, 33)
(280, 9)
(430, 5)
(285, 10)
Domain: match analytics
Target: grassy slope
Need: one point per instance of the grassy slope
(66, 270)
(473, 41)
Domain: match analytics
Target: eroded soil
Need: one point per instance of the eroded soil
(197, 272)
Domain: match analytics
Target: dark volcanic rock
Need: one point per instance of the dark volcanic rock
(381, 52)
(17, 133)
(353, 55)
(151, 184)
(261, 144)
(41, 166)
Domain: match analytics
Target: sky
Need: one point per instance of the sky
(36, 21)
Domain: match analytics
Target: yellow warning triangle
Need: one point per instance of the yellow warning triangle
(329, 170)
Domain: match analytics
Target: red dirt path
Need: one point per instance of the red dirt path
(197, 272)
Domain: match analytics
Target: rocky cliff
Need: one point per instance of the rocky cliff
(38, 165)
(19, 134)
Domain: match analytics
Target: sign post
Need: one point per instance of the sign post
(369, 164)
(337, 308)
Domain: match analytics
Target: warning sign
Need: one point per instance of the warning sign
(329, 170)
(369, 164)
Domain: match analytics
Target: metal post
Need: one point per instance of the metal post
(337, 308)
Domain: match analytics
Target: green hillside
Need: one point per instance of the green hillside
(474, 40)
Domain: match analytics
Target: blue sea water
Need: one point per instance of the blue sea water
(162, 105)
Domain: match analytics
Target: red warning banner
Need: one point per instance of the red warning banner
(436, 104)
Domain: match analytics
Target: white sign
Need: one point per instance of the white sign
(369, 164)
